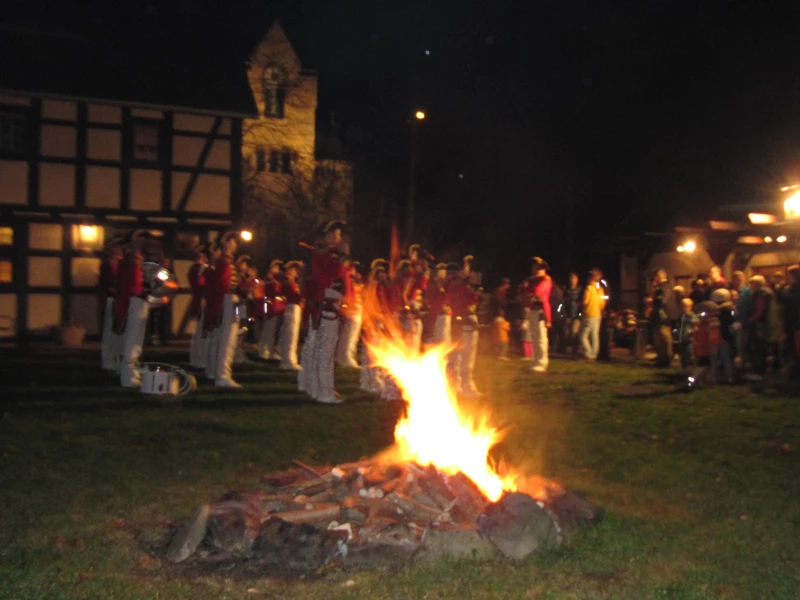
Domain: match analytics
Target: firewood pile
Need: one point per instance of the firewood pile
(373, 514)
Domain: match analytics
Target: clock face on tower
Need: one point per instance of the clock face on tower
(274, 92)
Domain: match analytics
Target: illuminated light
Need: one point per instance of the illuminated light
(762, 218)
(163, 275)
(690, 246)
(767, 239)
(681, 249)
(750, 239)
(247, 235)
(419, 115)
(427, 52)
(781, 239)
(791, 206)
(89, 233)
(786, 188)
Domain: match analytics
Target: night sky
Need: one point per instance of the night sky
(553, 128)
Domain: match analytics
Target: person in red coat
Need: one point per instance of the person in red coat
(536, 290)
(292, 295)
(268, 347)
(198, 348)
(111, 342)
(438, 319)
(131, 309)
(464, 301)
(223, 319)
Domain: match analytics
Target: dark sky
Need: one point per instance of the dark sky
(572, 120)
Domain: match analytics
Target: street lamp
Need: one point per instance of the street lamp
(419, 116)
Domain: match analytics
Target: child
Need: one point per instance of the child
(706, 337)
(500, 328)
(687, 325)
(525, 335)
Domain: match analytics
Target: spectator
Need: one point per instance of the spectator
(593, 305)
(501, 327)
(573, 302)
(742, 305)
(721, 352)
(698, 293)
(758, 326)
(715, 280)
(526, 339)
(777, 330)
(706, 337)
(686, 327)
(661, 325)
(500, 297)
(791, 319)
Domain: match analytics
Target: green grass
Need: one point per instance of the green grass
(702, 501)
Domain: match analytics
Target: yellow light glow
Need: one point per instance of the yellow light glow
(247, 235)
(767, 239)
(89, 234)
(791, 206)
(781, 239)
(762, 218)
(420, 115)
(786, 188)
(690, 246)
(681, 249)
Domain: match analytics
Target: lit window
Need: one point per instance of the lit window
(6, 271)
(87, 237)
(12, 132)
(274, 92)
(146, 141)
(6, 236)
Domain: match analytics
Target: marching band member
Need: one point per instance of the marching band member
(351, 321)
(131, 309)
(246, 308)
(211, 309)
(292, 316)
(198, 348)
(328, 323)
(537, 290)
(375, 289)
(276, 304)
(439, 314)
(224, 321)
(464, 300)
(111, 343)
(326, 266)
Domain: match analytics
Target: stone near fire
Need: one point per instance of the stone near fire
(458, 542)
(189, 536)
(518, 525)
(295, 547)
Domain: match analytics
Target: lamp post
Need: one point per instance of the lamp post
(414, 122)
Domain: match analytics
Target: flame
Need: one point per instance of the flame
(434, 430)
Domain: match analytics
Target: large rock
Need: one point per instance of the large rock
(296, 548)
(189, 536)
(518, 525)
(459, 542)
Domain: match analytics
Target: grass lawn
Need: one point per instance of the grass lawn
(702, 489)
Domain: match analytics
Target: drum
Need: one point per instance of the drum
(162, 283)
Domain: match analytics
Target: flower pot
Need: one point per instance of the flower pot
(72, 336)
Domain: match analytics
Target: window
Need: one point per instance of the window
(261, 160)
(12, 132)
(6, 236)
(274, 92)
(6, 271)
(286, 161)
(146, 141)
(274, 159)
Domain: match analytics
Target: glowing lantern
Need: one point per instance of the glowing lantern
(419, 115)
(690, 246)
(89, 234)
(247, 235)
(781, 239)
(767, 239)
(791, 206)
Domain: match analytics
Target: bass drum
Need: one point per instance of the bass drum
(161, 282)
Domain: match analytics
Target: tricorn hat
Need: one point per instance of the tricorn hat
(333, 226)
(276, 263)
(403, 264)
(293, 264)
(440, 266)
(227, 235)
(379, 262)
(413, 248)
(242, 258)
(539, 262)
(453, 266)
(468, 260)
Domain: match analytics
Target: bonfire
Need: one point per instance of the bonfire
(435, 491)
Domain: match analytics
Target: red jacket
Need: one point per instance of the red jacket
(273, 289)
(130, 284)
(461, 297)
(437, 299)
(325, 268)
(224, 281)
(291, 291)
(537, 290)
(107, 281)
(197, 284)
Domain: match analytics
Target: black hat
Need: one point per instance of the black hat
(243, 258)
(413, 248)
(293, 264)
(541, 263)
(379, 263)
(403, 264)
(333, 226)
(453, 266)
(440, 266)
(227, 235)
(277, 262)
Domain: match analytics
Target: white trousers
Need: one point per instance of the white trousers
(324, 352)
(413, 329)
(111, 343)
(212, 352)
(132, 342)
(348, 341)
(268, 340)
(227, 338)
(289, 332)
(469, 354)
(441, 330)
(590, 336)
(371, 376)
(538, 331)
(198, 347)
(306, 378)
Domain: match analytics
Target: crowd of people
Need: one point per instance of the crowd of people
(724, 330)
(715, 326)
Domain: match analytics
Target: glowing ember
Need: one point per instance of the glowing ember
(435, 430)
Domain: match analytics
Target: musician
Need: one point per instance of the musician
(225, 325)
(536, 293)
(463, 301)
(352, 309)
(247, 306)
(111, 343)
(212, 307)
(276, 305)
(438, 319)
(198, 348)
(327, 265)
(375, 290)
(292, 315)
(131, 308)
